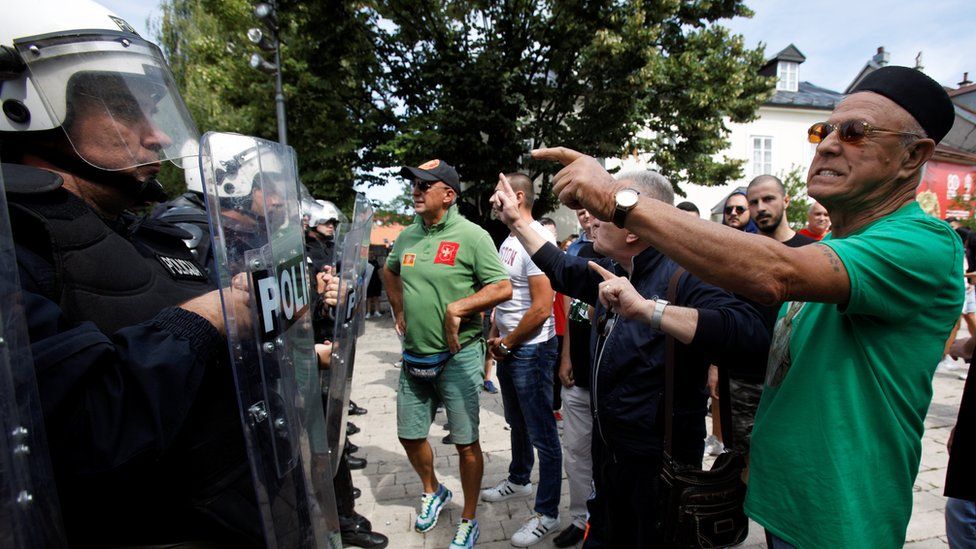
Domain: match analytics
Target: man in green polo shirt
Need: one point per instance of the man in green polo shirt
(442, 272)
(837, 439)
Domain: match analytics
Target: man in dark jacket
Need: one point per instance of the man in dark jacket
(960, 485)
(627, 378)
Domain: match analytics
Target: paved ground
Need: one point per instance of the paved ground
(391, 489)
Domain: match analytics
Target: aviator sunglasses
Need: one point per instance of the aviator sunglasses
(424, 186)
(737, 209)
(851, 131)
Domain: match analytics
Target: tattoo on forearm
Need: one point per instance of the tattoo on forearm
(831, 256)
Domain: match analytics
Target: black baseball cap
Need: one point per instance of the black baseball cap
(434, 170)
(925, 99)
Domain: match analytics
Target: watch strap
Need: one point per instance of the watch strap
(658, 314)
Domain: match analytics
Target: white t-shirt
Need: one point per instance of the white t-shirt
(520, 268)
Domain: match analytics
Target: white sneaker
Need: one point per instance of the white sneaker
(947, 365)
(506, 490)
(534, 530)
(714, 446)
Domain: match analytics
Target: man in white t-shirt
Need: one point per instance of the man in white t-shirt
(523, 341)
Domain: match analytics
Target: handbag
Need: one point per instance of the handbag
(425, 366)
(700, 509)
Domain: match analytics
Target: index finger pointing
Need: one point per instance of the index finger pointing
(607, 275)
(559, 154)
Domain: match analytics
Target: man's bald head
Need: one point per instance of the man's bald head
(759, 180)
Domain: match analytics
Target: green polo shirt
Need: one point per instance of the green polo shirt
(439, 265)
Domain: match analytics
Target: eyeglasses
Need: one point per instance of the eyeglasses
(851, 131)
(737, 209)
(424, 186)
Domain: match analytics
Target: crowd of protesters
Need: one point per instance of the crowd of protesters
(829, 336)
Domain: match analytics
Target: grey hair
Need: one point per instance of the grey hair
(913, 127)
(650, 183)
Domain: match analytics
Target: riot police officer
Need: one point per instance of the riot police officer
(125, 328)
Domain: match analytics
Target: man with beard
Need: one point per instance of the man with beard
(767, 206)
(735, 214)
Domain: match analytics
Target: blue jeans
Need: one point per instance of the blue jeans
(960, 517)
(775, 542)
(526, 382)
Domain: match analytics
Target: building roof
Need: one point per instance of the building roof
(789, 53)
(807, 96)
(961, 91)
(384, 234)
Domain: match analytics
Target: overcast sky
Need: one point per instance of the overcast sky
(836, 36)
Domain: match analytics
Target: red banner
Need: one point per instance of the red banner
(947, 190)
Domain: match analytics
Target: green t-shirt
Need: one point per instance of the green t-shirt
(439, 265)
(837, 440)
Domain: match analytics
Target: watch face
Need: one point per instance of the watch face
(627, 198)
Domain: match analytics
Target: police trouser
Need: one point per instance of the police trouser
(345, 502)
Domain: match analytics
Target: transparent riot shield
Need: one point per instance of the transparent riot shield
(352, 263)
(252, 200)
(29, 512)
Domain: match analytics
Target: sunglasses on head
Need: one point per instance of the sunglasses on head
(851, 131)
(736, 209)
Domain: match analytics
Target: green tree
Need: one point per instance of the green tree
(796, 188)
(330, 71)
(475, 81)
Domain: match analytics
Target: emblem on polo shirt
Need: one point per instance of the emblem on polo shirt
(409, 260)
(446, 252)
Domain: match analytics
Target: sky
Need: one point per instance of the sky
(837, 37)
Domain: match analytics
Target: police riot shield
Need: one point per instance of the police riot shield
(252, 200)
(352, 263)
(29, 512)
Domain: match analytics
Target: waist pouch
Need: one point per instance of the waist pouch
(425, 366)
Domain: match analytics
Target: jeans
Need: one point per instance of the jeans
(525, 377)
(775, 542)
(960, 517)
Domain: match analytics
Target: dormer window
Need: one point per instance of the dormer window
(786, 76)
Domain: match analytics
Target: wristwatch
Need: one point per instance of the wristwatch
(625, 200)
(658, 314)
(505, 351)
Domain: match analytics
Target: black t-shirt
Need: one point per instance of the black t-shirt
(579, 331)
(960, 476)
(751, 367)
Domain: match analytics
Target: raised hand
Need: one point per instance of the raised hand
(504, 202)
(583, 182)
(619, 295)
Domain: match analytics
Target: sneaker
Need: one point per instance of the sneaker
(466, 535)
(431, 506)
(506, 490)
(558, 415)
(534, 530)
(713, 446)
(490, 387)
(398, 364)
(947, 365)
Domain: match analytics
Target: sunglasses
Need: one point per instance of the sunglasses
(851, 131)
(736, 209)
(425, 186)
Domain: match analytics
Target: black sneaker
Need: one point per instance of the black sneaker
(355, 410)
(569, 537)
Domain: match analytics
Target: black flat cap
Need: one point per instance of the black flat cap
(925, 99)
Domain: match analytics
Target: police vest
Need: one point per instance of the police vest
(113, 277)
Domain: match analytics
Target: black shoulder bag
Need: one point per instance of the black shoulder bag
(700, 509)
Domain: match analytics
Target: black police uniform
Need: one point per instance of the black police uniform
(139, 403)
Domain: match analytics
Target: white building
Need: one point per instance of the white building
(774, 143)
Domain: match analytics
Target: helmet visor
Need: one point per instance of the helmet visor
(114, 97)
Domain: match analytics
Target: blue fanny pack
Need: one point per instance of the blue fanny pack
(425, 366)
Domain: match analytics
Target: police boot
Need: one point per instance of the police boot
(357, 532)
(355, 462)
(350, 447)
(355, 410)
(351, 428)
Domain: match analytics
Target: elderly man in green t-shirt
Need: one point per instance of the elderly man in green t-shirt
(837, 439)
(442, 272)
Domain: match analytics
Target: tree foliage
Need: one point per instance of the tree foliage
(477, 80)
(796, 188)
(330, 73)
(375, 84)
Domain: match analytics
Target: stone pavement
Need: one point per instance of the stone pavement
(391, 489)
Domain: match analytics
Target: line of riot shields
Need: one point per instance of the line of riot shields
(293, 438)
